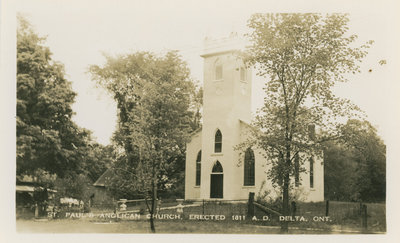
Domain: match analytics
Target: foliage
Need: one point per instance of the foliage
(47, 138)
(51, 148)
(98, 158)
(157, 111)
(303, 56)
(74, 185)
(369, 152)
(356, 169)
(339, 172)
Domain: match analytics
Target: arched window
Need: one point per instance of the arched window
(217, 181)
(218, 142)
(198, 168)
(249, 168)
(217, 168)
(311, 172)
(218, 70)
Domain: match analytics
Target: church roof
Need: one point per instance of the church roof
(195, 132)
(245, 122)
(102, 181)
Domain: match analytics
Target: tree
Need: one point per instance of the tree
(74, 185)
(339, 172)
(303, 55)
(98, 158)
(154, 96)
(355, 164)
(47, 138)
(369, 153)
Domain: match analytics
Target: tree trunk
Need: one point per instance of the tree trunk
(153, 229)
(284, 226)
(153, 207)
(286, 181)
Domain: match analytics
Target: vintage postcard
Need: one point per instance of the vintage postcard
(211, 118)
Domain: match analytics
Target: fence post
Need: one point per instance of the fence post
(250, 209)
(364, 217)
(36, 211)
(293, 208)
(327, 208)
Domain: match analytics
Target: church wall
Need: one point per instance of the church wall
(192, 148)
(304, 191)
(227, 107)
(227, 157)
(242, 192)
(316, 193)
(219, 113)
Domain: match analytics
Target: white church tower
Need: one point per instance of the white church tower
(213, 167)
(226, 105)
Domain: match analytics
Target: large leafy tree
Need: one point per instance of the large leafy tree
(157, 111)
(303, 56)
(339, 172)
(98, 158)
(355, 164)
(369, 153)
(47, 138)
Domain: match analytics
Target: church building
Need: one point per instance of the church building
(213, 167)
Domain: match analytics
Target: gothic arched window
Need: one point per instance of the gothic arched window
(218, 142)
(198, 168)
(249, 169)
(217, 168)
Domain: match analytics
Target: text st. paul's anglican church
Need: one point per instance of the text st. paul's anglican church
(213, 170)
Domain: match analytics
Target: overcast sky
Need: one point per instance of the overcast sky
(78, 32)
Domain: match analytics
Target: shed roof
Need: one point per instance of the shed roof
(102, 181)
(25, 188)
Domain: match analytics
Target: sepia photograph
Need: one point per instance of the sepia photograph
(200, 118)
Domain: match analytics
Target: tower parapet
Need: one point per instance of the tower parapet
(233, 42)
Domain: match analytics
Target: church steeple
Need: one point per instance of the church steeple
(226, 101)
(227, 82)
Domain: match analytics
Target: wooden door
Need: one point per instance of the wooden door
(217, 186)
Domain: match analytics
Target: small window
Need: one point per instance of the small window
(198, 168)
(242, 74)
(218, 142)
(296, 170)
(311, 172)
(249, 168)
(218, 72)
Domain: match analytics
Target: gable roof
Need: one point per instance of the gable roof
(245, 123)
(196, 131)
(102, 181)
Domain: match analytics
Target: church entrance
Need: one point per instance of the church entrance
(217, 181)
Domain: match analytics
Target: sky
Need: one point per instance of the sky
(80, 32)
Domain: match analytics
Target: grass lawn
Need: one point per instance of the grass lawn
(344, 218)
(347, 214)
